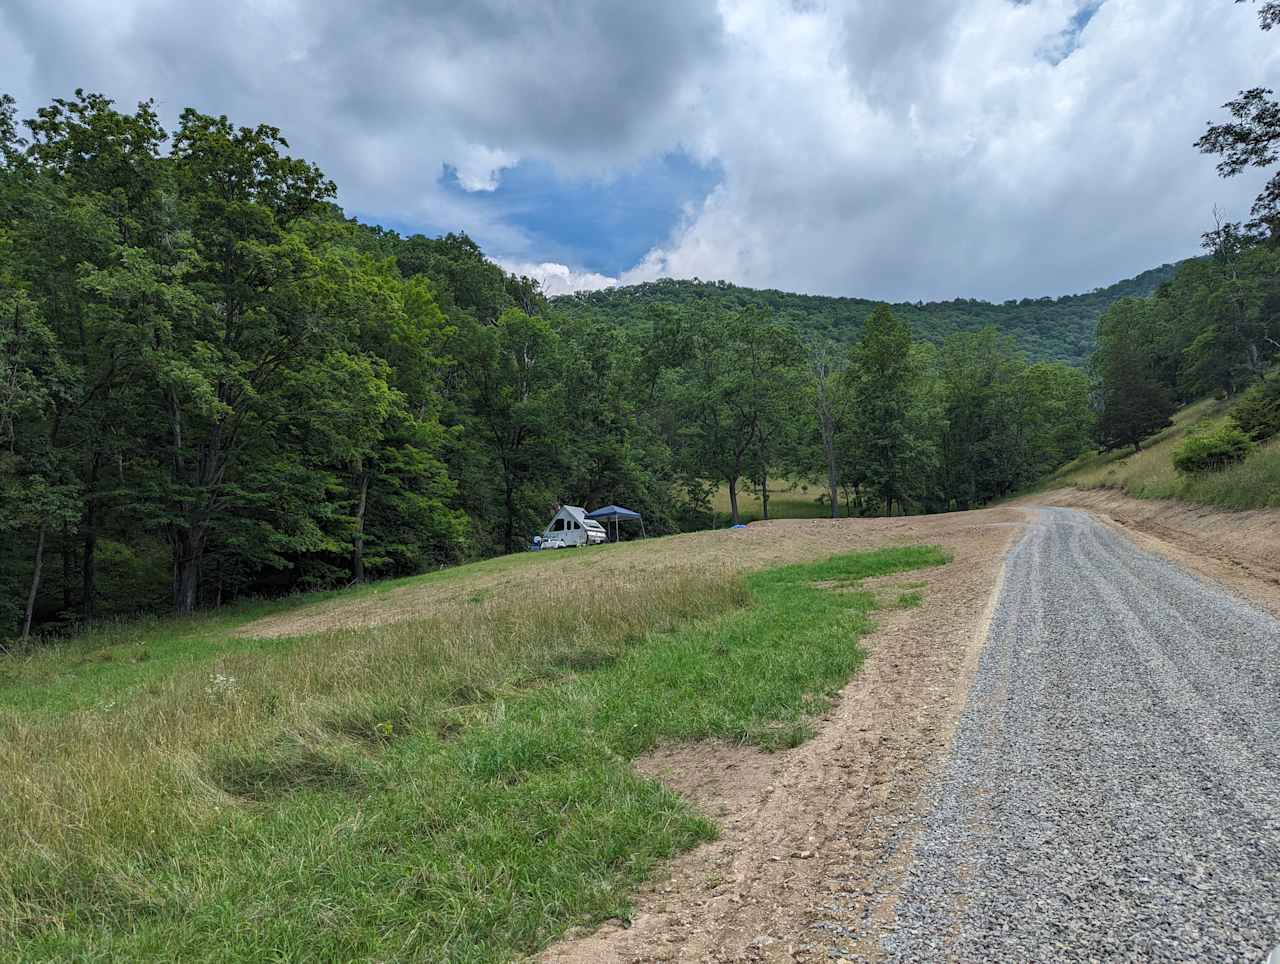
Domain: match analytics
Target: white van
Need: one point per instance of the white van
(571, 527)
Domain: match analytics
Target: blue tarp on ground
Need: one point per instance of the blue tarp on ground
(613, 513)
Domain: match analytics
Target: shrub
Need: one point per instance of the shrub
(1213, 450)
(1258, 411)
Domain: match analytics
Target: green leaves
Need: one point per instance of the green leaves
(1212, 450)
(1258, 411)
(890, 441)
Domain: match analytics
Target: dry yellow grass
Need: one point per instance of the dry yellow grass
(1151, 467)
(759, 546)
(190, 804)
(84, 793)
(138, 770)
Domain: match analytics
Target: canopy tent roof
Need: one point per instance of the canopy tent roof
(613, 513)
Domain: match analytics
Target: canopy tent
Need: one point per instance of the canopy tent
(616, 514)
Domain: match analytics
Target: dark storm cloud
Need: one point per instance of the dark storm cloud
(574, 76)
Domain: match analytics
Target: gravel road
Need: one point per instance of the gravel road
(1114, 788)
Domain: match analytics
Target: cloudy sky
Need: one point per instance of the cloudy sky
(888, 149)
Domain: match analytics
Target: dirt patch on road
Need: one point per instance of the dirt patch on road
(1237, 550)
(814, 840)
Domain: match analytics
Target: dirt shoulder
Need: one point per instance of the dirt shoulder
(815, 840)
(1237, 550)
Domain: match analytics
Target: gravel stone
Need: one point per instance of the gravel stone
(1114, 786)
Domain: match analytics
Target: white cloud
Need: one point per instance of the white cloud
(931, 150)
(559, 279)
(897, 150)
(479, 168)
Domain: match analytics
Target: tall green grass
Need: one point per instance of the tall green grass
(447, 789)
(1251, 484)
(119, 655)
(1149, 473)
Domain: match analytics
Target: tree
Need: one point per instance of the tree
(1268, 13)
(87, 223)
(37, 491)
(1252, 138)
(1215, 327)
(830, 407)
(729, 382)
(509, 373)
(261, 312)
(400, 484)
(773, 359)
(617, 454)
(893, 453)
(1132, 402)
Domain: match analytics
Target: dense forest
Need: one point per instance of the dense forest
(213, 384)
(1046, 329)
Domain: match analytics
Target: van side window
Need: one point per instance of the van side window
(558, 526)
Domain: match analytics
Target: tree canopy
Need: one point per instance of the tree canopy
(213, 384)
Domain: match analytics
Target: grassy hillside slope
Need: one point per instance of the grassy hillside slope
(1045, 328)
(1149, 474)
(436, 769)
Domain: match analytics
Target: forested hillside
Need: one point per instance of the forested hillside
(214, 385)
(1213, 330)
(1048, 329)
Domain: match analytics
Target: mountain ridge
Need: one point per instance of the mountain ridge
(1048, 328)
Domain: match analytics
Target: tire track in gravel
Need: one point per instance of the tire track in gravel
(1112, 787)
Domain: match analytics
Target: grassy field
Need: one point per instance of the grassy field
(792, 500)
(452, 786)
(1149, 474)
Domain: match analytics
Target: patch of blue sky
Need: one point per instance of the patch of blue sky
(594, 224)
(1069, 40)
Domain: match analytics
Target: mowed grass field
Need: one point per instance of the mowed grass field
(791, 500)
(436, 769)
(1149, 474)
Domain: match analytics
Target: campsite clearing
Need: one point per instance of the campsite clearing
(468, 763)
(441, 763)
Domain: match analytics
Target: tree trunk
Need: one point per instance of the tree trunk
(89, 573)
(827, 425)
(510, 537)
(357, 540)
(188, 546)
(89, 564)
(68, 563)
(35, 586)
(733, 500)
(764, 494)
(833, 480)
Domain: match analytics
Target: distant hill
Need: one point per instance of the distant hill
(1046, 328)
